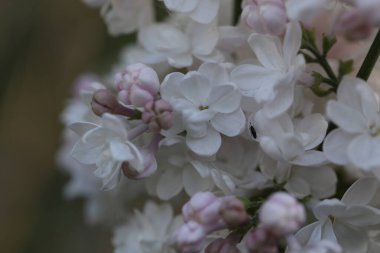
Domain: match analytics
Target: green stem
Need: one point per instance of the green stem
(370, 60)
(237, 11)
(325, 65)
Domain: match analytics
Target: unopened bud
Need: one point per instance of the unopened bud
(190, 237)
(137, 85)
(261, 240)
(221, 246)
(145, 169)
(103, 101)
(282, 214)
(233, 212)
(265, 16)
(158, 115)
(354, 25)
(203, 208)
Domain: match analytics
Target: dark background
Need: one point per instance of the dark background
(44, 46)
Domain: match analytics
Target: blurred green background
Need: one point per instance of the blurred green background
(44, 46)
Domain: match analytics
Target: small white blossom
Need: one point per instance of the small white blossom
(107, 146)
(272, 84)
(346, 221)
(209, 105)
(179, 41)
(291, 141)
(356, 113)
(149, 231)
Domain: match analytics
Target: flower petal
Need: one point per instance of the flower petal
(206, 146)
(230, 124)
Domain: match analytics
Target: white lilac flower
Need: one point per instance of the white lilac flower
(177, 172)
(234, 168)
(179, 41)
(291, 140)
(356, 113)
(348, 221)
(107, 146)
(202, 11)
(272, 83)
(316, 182)
(126, 16)
(209, 104)
(149, 231)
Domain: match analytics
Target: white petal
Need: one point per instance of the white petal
(364, 152)
(313, 130)
(230, 124)
(350, 239)
(82, 127)
(203, 38)
(321, 180)
(291, 147)
(206, 146)
(120, 151)
(86, 153)
(181, 60)
(255, 81)
(214, 72)
(195, 88)
(114, 124)
(193, 182)
(361, 192)
(206, 11)
(282, 101)
(310, 158)
(181, 5)
(292, 42)
(224, 99)
(349, 120)
(335, 146)
(268, 50)
(170, 86)
(169, 184)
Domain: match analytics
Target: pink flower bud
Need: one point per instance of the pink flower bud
(371, 8)
(354, 25)
(203, 208)
(158, 115)
(137, 85)
(221, 246)
(190, 237)
(149, 166)
(233, 213)
(261, 240)
(282, 214)
(103, 101)
(265, 16)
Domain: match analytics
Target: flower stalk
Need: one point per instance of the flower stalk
(371, 59)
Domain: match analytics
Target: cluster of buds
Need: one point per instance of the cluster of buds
(265, 16)
(206, 213)
(137, 85)
(137, 90)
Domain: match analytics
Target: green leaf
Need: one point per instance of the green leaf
(345, 67)
(327, 44)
